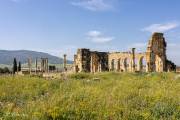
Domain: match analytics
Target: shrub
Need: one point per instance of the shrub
(80, 76)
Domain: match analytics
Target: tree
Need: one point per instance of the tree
(19, 66)
(1, 70)
(14, 66)
(6, 70)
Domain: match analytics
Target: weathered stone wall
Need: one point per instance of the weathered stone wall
(153, 60)
(82, 60)
(124, 61)
(99, 61)
(90, 61)
(156, 53)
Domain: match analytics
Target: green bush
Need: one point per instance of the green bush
(80, 76)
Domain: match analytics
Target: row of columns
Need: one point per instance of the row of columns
(44, 64)
(126, 65)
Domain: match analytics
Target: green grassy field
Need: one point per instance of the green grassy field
(103, 96)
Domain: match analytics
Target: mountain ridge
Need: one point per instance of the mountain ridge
(7, 56)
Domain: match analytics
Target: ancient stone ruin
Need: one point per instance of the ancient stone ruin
(153, 60)
(44, 65)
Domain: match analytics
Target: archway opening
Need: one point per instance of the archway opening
(142, 64)
(112, 64)
(136, 64)
(127, 64)
(118, 64)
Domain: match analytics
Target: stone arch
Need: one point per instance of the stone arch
(112, 64)
(136, 63)
(127, 64)
(118, 65)
(142, 64)
(121, 65)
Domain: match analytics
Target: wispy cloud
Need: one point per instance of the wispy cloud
(93, 5)
(161, 27)
(98, 37)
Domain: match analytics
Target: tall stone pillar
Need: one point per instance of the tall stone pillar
(36, 64)
(99, 66)
(65, 62)
(29, 65)
(44, 65)
(91, 65)
(47, 69)
(75, 64)
(133, 60)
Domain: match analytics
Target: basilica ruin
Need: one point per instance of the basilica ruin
(153, 60)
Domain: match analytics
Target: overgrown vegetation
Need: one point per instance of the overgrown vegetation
(113, 96)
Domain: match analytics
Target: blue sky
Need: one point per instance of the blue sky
(62, 26)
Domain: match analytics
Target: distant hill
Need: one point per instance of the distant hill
(6, 57)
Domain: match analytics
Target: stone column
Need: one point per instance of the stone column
(36, 62)
(99, 66)
(65, 62)
(29, 65)
(75, 69)
(91, 65)
(44, 65)
(133, 60)
(47, 66)
(139, 64)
